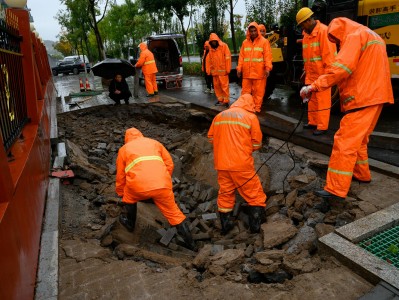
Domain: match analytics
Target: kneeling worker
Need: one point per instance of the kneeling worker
(144, 170)
(235, 133)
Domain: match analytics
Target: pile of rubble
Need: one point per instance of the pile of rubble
(286, 246)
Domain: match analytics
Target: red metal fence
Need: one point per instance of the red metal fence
(26, 95)
(13, 113)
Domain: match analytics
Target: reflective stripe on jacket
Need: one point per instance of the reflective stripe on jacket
(255, 57)
(235, 134)
(142, 164)
(361, 67)
(219, 59)
(317, 51)
(146, 60)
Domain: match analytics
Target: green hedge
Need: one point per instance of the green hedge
(193, 68)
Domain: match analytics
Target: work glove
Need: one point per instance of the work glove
(305, 93)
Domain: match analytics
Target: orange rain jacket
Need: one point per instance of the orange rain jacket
(146, 60)
(143, 164)
(361, 67)
(219, 59)
(255, 57)
(205, 60)
(318, 52)
(235, 134)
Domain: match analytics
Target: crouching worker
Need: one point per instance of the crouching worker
(235, 133)
(143, 170)
(119, 90)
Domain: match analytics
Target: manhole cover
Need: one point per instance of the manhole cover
(384, 245)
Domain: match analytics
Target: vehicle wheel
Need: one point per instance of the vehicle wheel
(55, 73)
(75, 71)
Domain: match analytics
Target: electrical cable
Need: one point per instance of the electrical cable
(289, 150)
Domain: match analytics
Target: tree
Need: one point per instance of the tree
(261, 11)
(230, 9)
(180, 8)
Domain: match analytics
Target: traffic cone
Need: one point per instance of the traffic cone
(87, 85)
(82, 88)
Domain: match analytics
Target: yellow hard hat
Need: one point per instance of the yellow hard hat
(303, 14)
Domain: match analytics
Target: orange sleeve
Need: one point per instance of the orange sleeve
(256, 134)
(120, 172)
(343, 66)
(268, 56)
(141, 60)
(167, 159)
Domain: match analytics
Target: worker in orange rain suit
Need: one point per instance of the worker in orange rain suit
(361, 70)
(235, 134)
(318, 53)
(219, 60)
(144, 170)
(262, 30)
(149, 68)
(254, 64)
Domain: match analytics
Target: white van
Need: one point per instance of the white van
(83, 58)
(167, 58)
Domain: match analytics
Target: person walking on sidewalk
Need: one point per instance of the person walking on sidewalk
(361, 60)
(254, 64)
(206, 69)
(235, 133)
(143, 171)
(119, 90)
(149, 68)
(318, 53)
(219, 59)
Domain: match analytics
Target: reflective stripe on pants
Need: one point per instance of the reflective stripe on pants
(221, 87)
(150, 83)
(350, 146)
(251, 191)
(255, 87)
(165, 200)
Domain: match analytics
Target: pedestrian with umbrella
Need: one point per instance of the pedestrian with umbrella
(149, 68)
(118, 90)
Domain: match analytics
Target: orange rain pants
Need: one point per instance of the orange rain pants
(150, 83)
(164, 199)
(319, 108)
(251, 190)
(222, 89)
(349, 155)
(255, 87)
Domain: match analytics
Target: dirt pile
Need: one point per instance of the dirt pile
(286, 246)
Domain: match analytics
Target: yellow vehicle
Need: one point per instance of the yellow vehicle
(382, 16)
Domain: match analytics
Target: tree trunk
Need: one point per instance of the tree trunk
(233, 35)
(100, 46)
(185, 38)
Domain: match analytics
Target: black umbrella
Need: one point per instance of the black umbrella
(111, 67)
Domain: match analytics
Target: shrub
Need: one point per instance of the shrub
(193, 68)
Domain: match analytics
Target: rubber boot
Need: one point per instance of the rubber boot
(257, 216)
(183, 230)
(226, 222)
(129, 221)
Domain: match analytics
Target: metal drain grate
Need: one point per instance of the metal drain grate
(384, 245)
